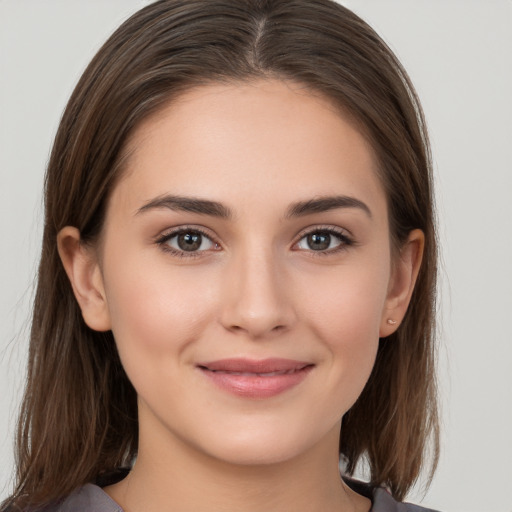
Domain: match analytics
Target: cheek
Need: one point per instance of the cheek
(155, 312)
(344, 310)
(155, 327)
(346, 304)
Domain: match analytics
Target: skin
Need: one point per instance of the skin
(254, 289)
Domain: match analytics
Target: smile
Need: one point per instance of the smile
(256, 379)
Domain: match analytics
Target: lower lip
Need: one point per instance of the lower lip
(257, 386)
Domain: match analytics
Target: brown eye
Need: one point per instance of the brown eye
(324, 240)
(318, 241)
(188, 241)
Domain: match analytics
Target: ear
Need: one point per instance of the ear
(401, 285)
(83, 270)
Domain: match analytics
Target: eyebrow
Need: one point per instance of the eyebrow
(188, 204)
(324, 204)
(216, 209)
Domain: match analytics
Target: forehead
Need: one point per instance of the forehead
(266, 138)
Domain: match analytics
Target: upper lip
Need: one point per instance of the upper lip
(240, 365)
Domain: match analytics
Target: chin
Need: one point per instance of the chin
(265, 446)
(256, 454)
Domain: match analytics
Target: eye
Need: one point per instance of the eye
(187, 240)
(323, 240)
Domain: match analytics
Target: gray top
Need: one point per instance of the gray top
(91, 498)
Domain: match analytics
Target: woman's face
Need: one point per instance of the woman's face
(246, 272)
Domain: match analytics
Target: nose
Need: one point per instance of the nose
(257, 300)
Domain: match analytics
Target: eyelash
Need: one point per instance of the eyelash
(341, 234)
(163, 240)
(344, 238)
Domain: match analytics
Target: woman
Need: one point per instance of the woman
(238, 265)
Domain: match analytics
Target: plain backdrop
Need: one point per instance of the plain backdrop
(459, 54)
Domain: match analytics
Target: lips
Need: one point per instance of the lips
(256, 379)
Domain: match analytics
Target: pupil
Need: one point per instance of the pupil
(189, 241)
(319, 241)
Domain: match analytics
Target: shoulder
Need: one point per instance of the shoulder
(88, 498)
(92, 498)
(382, 501)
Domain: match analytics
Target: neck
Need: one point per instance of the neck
(175, 476)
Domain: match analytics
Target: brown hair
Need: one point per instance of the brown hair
(79, 415)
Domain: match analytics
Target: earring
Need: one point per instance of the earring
(391, 321)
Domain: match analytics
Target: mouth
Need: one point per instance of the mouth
(256, 379)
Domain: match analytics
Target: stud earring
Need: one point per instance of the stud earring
(391, 321)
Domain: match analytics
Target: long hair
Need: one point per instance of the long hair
(79, 414)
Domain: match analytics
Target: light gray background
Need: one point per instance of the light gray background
(458, 53)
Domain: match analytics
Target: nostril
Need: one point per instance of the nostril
(256, 315)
